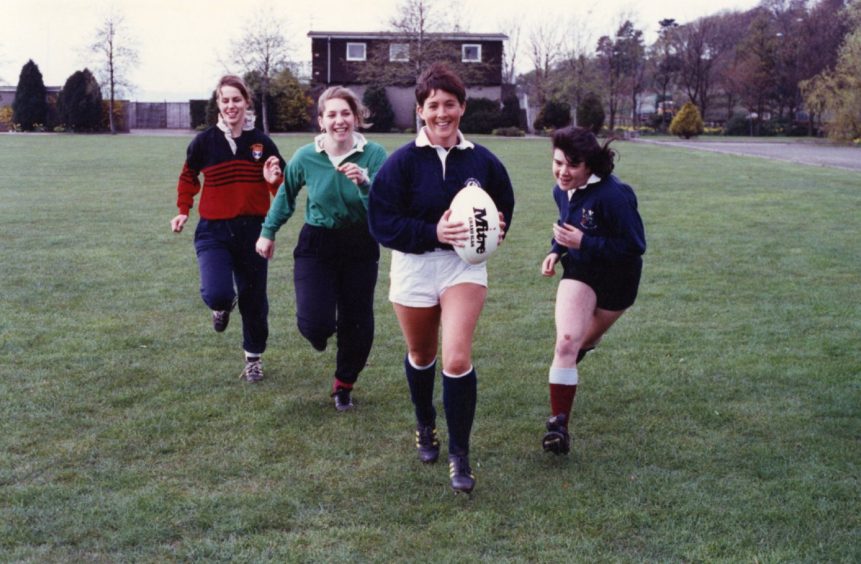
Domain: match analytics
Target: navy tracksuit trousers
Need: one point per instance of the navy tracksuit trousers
(335, 275)
(230, 266)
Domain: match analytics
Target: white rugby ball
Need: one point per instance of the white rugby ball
(474, 207)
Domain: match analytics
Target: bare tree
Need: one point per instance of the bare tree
(115, 49)
(263, 50)
(576, 45)
(546, 44)
(509, 57)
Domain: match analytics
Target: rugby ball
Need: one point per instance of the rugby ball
(474, 207)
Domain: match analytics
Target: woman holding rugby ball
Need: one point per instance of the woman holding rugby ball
(599, 239)
(241, 168)
(335, 260)
(431, 288)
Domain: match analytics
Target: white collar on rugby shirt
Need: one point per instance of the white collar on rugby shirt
(359, 143)
(592, 180)
(422, 140)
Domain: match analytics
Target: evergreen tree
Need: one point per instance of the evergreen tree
(30, 106)
(510, 112)
(688, 122)
(382, 114)
(553, 115)
(590, 113)
(80, 102)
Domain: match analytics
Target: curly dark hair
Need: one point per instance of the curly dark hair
(580, 145)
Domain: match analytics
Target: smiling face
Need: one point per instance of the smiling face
(337, 120)
(441, 112)
(232, 105)
(568, 176)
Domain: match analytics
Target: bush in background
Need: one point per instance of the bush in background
(482, 116)
(553, 115)
(197, 113)
(688, 122)
(590, 113)
(382, 116)
(80, 102)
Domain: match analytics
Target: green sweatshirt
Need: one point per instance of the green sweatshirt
(334, 201)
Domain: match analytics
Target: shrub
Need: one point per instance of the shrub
(510, 116)
(212, 110)
(382, 115)
(738, 124)
(509, 132)
(553, 115)
(590, 113)
(30, 106)
(197, 113)
(119, 117)
(688, 122)
(482, 116)
(5, 117)
(80, 102)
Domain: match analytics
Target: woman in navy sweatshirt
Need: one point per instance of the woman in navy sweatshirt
(431, 288)
(599, 240)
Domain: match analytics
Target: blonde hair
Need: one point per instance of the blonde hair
(359, 110)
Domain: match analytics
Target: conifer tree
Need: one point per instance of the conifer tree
(30, 107)
(80, 102)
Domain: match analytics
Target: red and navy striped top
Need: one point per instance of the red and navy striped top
(233, 184)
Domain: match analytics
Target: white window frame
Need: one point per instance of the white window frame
(364, 55)
(399, 52)
(464, 47)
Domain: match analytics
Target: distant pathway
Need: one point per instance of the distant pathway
(847, 158)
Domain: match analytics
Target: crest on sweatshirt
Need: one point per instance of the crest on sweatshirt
(587, 218)
(257, 151)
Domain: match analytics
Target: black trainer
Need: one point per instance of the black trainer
(220, 318)
(460, 473)
(343, 401)
(556, 439)
(427, 443)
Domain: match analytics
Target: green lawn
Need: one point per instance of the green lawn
(720, 420)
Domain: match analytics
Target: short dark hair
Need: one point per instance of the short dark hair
(581, 146)
(439, 77)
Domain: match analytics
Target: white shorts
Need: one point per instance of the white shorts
(420, 280)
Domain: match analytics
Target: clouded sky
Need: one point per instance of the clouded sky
(184, 45)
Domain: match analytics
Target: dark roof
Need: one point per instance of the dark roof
(453, 36)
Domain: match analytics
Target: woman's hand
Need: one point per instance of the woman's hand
(567, 235)
(265, 247)
(354, 172)
(454, 233)
(177, 223)
(272, 170)
(548, 265)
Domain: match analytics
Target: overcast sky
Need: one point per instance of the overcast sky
(183, 45)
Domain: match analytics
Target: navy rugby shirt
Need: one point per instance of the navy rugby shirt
(606, 213)
(413, 190)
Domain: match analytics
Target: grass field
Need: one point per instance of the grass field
(720, 420)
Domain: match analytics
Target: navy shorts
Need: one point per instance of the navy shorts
(615, 286)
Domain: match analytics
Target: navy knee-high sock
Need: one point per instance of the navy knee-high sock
(459, 398)
(421, 383)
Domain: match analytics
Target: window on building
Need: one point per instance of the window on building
(470, 53)
(399, 52)
(356, 51)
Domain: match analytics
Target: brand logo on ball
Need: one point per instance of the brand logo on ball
(257, 151)
(478, 229)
